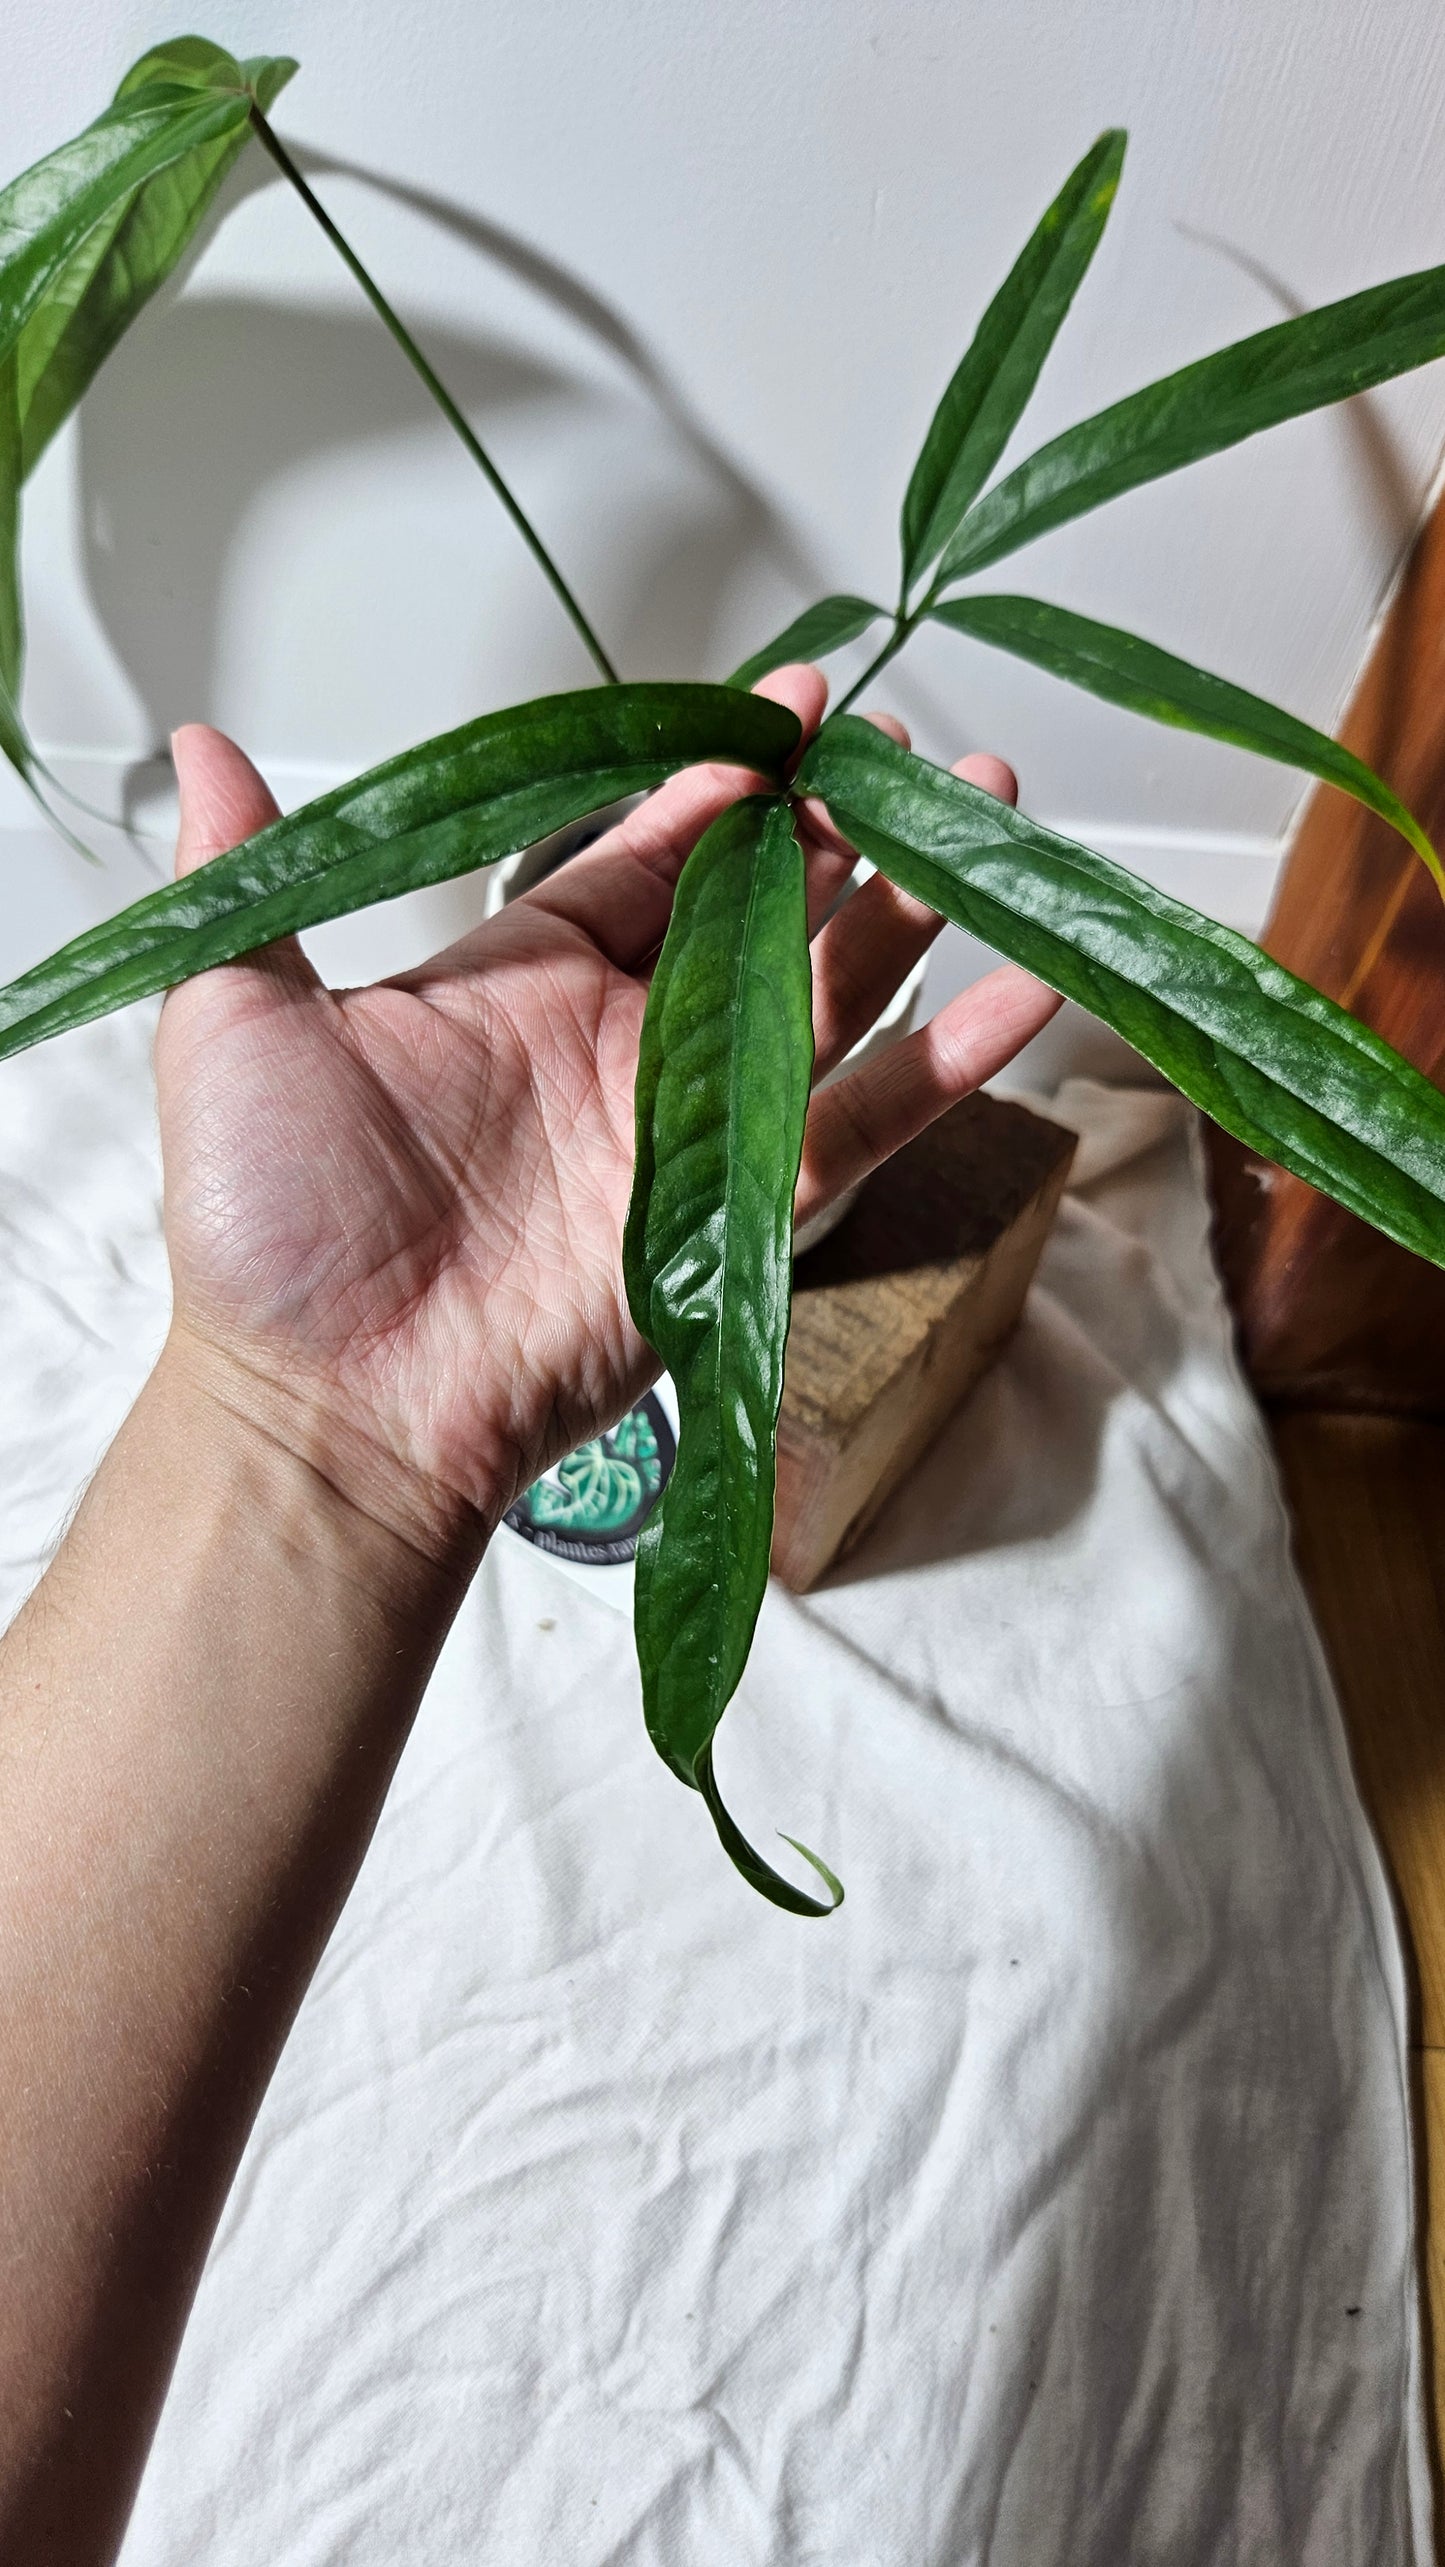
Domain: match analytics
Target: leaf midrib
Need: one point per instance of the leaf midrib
(1210, 935)
(1224, 1049)
(718, 1548)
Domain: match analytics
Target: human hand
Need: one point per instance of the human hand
(395, 1214)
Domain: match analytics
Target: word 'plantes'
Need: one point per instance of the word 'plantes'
(88, 234)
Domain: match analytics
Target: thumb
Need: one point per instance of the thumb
(223, 801)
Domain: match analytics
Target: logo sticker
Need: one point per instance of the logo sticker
(593, 1506)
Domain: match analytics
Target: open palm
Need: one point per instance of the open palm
(398, 1211)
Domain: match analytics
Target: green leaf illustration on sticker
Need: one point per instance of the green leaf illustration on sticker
(593, 1506)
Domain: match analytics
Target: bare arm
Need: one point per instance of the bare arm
(202, 1707)
(394, 1220)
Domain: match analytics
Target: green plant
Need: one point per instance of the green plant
(726, 1056)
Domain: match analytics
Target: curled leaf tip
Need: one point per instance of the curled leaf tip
(758, 1874)
(820, 1867)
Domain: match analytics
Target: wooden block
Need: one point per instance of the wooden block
(897, 1314)
(1428, 2101)
(1330, 1315)
(1367, 1497)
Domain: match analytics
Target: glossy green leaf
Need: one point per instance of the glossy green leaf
(1272, 1060)
(13, 743)
(86, 236)
(819, 629)
(445, 808)
(50, 213)
(139, 244)
(1277, 374)
(1125, 670)
(722, 1095)
(990, 391)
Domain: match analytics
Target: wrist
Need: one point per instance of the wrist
(325, 1476)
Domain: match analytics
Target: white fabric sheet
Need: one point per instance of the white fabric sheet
(1051, 2206)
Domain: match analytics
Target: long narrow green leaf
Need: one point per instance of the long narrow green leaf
(1272, 1060)
(13, 742)
(722, 1096)
(442, 809)
(990, 391)
(1125, 670)
(133, 250)
(48, 214)
(86, 236)
(1277, 374)
(824, 627)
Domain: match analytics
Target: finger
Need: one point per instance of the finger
(223, 802)
(860, 1121)
(981, 769)
(990, 774)
(830, 859)
(868, 949)
(860, 960)
(620, 892)
(223, 799)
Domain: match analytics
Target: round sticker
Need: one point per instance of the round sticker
(593, 1506)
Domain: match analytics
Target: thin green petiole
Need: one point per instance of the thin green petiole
(901, 629)
(437, 389)
(905, 624)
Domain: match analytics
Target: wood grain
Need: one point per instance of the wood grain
(1329, 1313)
(1429, 2097)
(1367, 1495)
(899, 1311)
(1344, 1335)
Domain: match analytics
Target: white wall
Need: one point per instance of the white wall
(699, 274)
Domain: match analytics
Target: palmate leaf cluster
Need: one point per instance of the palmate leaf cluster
(726, 1055)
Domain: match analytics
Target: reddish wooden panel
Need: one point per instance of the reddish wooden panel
(1329, 1314)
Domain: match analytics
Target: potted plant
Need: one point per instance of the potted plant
(726, 1054)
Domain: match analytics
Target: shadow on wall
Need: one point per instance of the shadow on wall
(209, 402)
(215, 398)
(1381, 472)
(569, 294)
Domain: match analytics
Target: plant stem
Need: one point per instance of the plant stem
(904, 624)
(902, 627)
(437, 389)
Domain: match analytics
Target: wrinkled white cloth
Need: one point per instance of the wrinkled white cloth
(1051, 2206)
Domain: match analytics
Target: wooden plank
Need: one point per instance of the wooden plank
(1329, 1313)
(899, 1311)
(1344, 1335)
(1367, 1495)
(1429, 2096)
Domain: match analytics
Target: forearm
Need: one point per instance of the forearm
(200, 1710)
